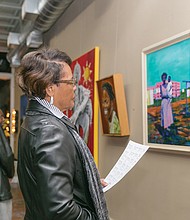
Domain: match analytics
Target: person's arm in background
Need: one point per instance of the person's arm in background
(6, 155)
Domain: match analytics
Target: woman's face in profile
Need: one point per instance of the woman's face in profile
(64, 93)
(106, 103)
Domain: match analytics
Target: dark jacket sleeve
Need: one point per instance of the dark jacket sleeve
(55, 166)
(6, 155)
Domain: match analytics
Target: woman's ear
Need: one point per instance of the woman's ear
(50, 90)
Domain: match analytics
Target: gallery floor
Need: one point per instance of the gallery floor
(18, 203)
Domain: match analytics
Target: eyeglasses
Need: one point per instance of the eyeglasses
(69, 81)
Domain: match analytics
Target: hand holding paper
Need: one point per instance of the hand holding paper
(131, 155)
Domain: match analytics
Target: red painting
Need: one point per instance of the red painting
(85, 112)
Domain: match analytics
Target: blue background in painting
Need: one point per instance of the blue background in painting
(174, 60)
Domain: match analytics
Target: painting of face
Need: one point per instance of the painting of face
(112, 106)
(110, 118)
(106, 104)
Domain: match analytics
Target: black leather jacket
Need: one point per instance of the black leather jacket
(50, 171)
(6, 167)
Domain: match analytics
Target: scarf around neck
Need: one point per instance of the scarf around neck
(93, 177)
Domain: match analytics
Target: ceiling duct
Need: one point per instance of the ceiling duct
(34, 39)
(47, 13)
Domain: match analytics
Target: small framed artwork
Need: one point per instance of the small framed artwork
(166, 94)
(113, 107)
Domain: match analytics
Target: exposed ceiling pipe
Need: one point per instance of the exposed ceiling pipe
(31, 36)
(50, 13)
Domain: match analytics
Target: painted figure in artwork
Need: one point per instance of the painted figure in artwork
(166, 109)
(82, 111)
(109, 112)
(169, 88)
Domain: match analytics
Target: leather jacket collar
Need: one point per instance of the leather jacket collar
(34, 108)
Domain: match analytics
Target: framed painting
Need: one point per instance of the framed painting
(166, 94)
(23, 105)
(113, 107)
(85, 112)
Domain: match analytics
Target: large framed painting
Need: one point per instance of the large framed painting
(85, 112)
(113, 108)
(166, 94)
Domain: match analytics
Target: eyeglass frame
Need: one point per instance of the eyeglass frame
(72, 81)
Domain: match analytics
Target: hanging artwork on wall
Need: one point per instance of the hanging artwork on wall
(85, 112)
(113, 107)
(23, 105)
(166, 94)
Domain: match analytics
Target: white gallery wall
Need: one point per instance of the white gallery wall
(158, 188)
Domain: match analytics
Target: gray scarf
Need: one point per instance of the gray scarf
(93, 177)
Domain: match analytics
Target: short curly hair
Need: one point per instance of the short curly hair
(41, 68)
